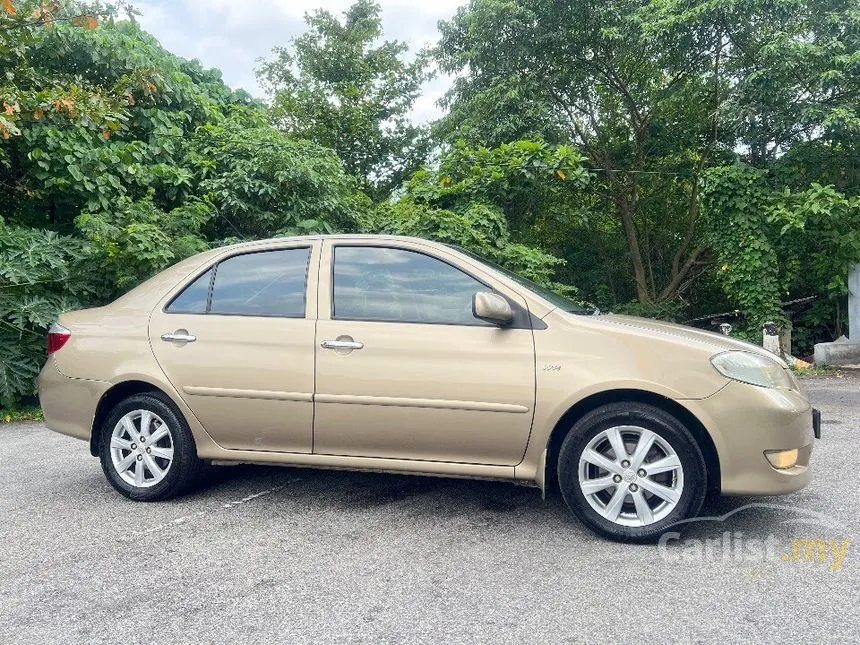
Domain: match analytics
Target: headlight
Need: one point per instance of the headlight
(751, 368)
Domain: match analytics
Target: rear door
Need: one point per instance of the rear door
(424, 379)
(237, 343)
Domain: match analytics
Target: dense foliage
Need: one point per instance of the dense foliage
(657, 93)
(477, 198)
(41, 273)
(672, 158)
(118, 159)
(770, 239)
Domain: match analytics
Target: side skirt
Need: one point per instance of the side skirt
(373, 464)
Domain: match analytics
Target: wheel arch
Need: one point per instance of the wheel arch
(670, 406)
(109, 400)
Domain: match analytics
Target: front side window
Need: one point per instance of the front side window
(395, 285)
(265, 283)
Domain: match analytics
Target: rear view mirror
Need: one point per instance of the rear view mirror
(492, 307)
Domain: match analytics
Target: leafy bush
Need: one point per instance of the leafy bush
(41, 274)
(137, 239)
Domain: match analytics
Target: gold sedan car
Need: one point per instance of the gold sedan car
(402, 355)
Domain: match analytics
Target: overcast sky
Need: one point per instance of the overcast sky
(232, 34)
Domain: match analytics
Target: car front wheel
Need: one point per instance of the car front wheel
(631, 472)
(147, 450)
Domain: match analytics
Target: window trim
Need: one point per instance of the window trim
(214, 268)
(478, 323)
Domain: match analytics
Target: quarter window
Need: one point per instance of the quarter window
(384, 284)
(194, 299)
(265, 283)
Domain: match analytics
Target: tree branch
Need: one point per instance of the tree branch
(676, 281)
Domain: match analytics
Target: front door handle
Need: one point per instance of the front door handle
(341, 344)
(179, 336)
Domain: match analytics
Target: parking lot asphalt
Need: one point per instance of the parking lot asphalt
(281, 555)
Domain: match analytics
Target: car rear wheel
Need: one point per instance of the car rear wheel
(631, 472)
(147, 451)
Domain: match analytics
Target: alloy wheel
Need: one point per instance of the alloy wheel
(141, 448)
(631, 476)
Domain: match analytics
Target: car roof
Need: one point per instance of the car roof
(335, 236)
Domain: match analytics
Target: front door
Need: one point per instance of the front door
(237, 344)
(405, 371)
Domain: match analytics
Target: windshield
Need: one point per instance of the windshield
(565, 304)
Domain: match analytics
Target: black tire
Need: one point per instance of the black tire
(185, 470)
(671, 431)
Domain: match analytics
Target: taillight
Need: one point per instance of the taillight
(57, 337)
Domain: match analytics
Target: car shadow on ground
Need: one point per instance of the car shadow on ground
(367, 490)
(447, 497)
(430, 498)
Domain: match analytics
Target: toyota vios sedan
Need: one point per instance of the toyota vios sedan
(402, 355)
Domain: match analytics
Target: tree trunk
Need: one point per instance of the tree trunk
(625, 212)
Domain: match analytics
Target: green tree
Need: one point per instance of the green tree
(262, 182)
(342, 88)
(633, 98)
(784, 223)
(138, 239)
(654, 92)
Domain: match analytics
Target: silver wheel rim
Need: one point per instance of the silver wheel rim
(141, 448)
(631, 476)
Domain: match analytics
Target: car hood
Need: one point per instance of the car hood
(719, 342)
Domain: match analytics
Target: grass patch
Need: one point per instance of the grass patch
(33, 413)
(815, 370)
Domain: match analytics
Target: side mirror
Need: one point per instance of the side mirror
(492, 308)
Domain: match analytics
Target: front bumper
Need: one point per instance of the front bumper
(69, 404)
(745, 421)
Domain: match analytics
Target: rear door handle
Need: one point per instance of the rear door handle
(179, 336)
(341, 344)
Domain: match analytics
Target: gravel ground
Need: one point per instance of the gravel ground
(293, 555)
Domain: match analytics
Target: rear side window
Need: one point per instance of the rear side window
(266, 283)
(271, 283)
